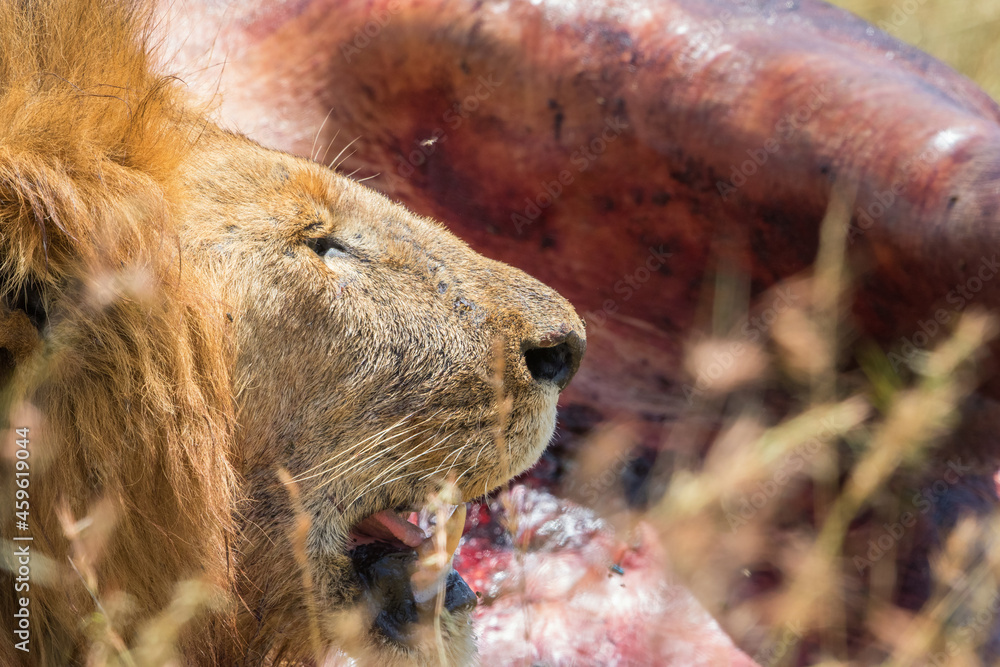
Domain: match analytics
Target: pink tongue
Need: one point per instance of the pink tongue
(387, 525)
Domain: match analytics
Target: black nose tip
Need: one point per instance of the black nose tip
(556, 360)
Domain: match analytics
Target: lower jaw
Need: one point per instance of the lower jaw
(404, 573)
(385, 571)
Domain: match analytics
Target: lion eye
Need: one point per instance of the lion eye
(327, 247)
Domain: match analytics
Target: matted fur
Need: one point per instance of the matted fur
(174, 336)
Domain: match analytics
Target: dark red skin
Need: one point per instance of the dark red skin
(690, 104)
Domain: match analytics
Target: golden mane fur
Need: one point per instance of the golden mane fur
(133, 376)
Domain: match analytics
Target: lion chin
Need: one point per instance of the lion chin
(254, 395)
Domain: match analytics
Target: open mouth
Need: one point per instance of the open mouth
(404, 561)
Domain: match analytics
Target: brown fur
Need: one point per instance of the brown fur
(191, 343)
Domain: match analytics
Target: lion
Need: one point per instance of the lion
(230, 377)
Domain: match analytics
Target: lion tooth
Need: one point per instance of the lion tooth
(454, 528)
(433, 565)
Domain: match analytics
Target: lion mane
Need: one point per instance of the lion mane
(133, 372)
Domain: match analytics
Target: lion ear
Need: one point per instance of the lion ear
(33, 198)
(19, 338)
(31, 237)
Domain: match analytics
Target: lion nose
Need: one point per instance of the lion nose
(555, 358)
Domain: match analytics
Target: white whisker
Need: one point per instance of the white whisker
(404, 461)
(336, 473)
(329, 145)
(336, 454)
(473, 467)
(457, 453)
(346, 158)
(342, 152)
(312, 151)
(353, 453)
(476, 462)
(416, 458)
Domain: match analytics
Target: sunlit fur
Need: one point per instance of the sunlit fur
(196, 344)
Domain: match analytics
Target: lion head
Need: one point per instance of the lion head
(239, 368)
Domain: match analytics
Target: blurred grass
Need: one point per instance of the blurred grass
(962, 33)
(859, 448)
